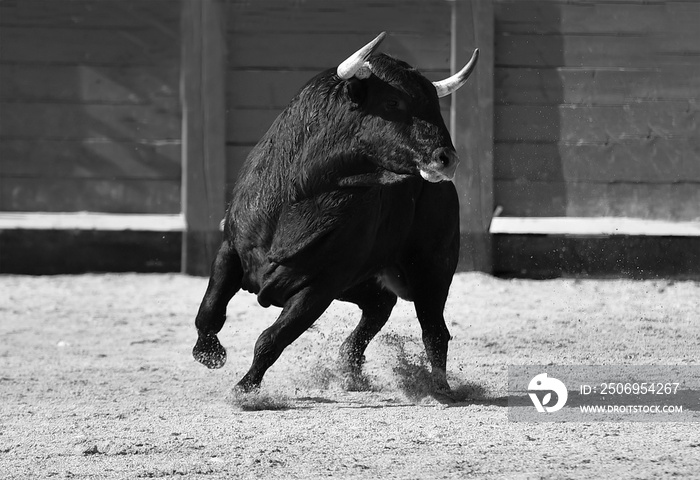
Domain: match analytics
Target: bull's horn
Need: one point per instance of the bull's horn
(450, 85)
(349, 67)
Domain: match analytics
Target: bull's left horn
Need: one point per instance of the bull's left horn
(451, 84)
(349, 67)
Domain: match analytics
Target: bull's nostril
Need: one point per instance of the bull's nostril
(446, 157)
(442, 165)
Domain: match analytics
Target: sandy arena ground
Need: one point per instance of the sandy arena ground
(97, 381)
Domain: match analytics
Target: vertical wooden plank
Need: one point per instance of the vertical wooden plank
(471, 123)
(203, 131)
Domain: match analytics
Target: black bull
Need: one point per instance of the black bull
(344, 198)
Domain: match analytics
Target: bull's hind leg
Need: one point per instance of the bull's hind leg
(298, 314)
(376, 304)
(225, 281)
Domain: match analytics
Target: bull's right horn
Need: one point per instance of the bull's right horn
(450, 85)
(349, 67)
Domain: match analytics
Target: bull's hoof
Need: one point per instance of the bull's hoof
(208, 351)
(356, 382)
(443, 396)
(246, 386)
(441, 390)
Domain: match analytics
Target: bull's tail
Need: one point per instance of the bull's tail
(225, 281)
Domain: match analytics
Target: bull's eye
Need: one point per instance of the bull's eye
(394, 104)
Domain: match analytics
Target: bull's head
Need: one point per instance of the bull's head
(401, 122)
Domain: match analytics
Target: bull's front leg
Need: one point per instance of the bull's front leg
(225, 281)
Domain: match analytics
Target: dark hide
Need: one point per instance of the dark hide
(331, 205)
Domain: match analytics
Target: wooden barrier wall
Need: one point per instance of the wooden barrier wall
(89, 106)
(596, 105)
(597, 109)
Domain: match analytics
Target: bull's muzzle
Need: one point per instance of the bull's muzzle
(442, 165)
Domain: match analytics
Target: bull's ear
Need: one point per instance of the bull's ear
(356, 90)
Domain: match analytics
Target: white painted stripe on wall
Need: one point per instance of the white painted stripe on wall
(91, 221)
(592, 226)
(499, 225)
